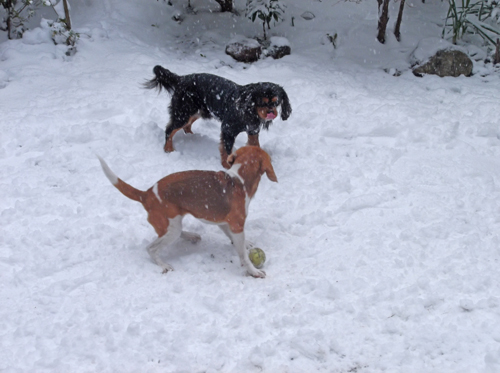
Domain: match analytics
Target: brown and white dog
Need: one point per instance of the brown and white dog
(220, 198)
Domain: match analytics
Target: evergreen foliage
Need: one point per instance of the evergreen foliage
(266, 11)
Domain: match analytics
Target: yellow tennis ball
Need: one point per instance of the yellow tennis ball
(257, 257)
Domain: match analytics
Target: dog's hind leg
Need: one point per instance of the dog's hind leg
(191, 120)
(172, 129)
(169, 230)
(169, 136)
(153, 249)
(227, 231)
(225, 228)
(183, 113)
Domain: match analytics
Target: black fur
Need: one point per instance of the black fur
(208, 95)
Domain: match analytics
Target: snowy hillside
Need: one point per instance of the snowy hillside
(382, 236)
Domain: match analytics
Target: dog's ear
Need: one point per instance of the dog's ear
(286, 108)
(231, 158)
(268, 168)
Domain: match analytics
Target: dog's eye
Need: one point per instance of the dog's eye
(265, 100)
(275, 99)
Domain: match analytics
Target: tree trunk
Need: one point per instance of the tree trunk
(9, 25)
(496, 59)
(382, 20)
(7, 6)
(397, 32)
(225, 5)
(66, 14)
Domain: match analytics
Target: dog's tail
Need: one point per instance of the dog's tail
(163, 79)
(128, 190)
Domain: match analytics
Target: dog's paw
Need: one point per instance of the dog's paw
(167, 268)
(256, 273)
(249, 246)
(226, 165)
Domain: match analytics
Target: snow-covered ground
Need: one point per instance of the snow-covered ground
(382, 235)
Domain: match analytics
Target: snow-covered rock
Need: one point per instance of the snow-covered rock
(244, 49)
(279, 47)
(437, 56)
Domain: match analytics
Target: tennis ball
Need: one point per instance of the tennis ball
(257, 257)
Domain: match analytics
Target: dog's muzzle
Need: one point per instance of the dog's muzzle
(270, 115)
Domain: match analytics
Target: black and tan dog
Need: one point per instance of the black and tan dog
(246, 108)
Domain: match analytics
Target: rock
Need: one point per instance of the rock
(178, 17)
(279, 47)
(71, 51)
(446, 63)
(308, 16)
(247, 50)
(439, 57)
(244, 49)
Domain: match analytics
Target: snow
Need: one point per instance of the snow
(381, 237)
(252, 43)
(279, 41)
(428, 47)
(239, 43)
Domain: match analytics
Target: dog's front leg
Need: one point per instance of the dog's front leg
(240, 245)
(169, 137)
(226, 146)
(253, 140)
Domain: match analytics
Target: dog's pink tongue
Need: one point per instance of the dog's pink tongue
(270, 116)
